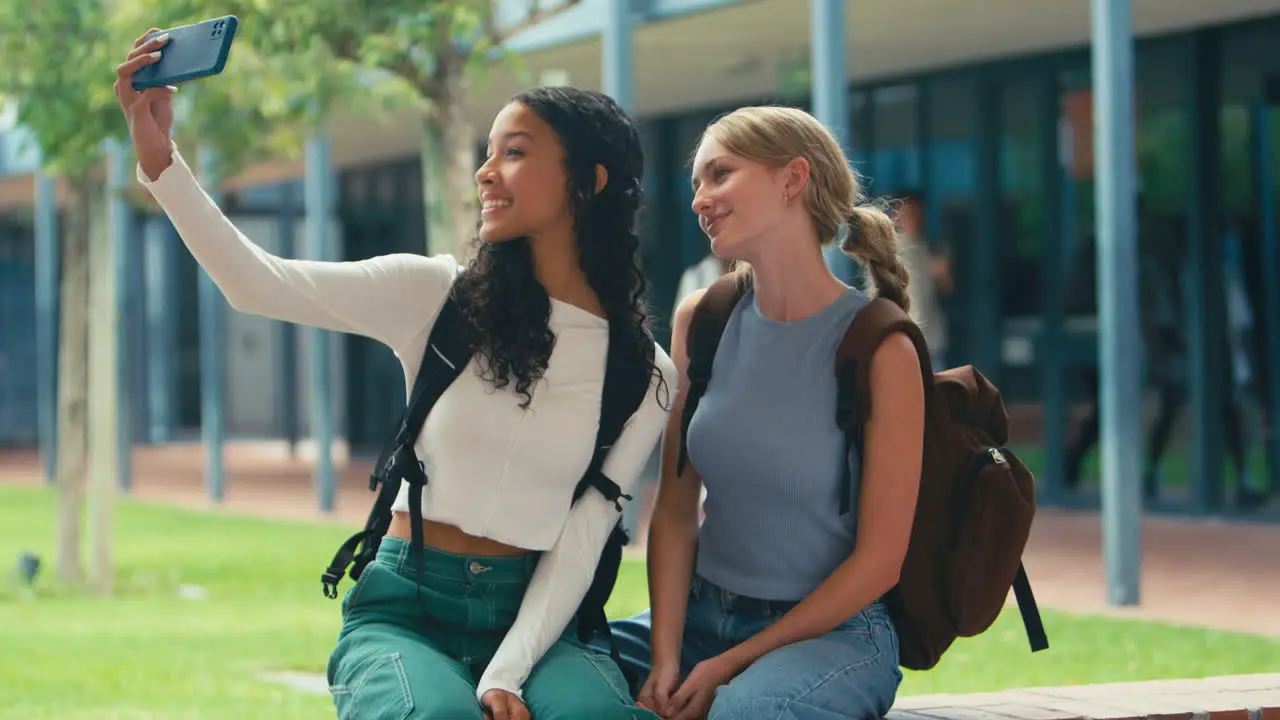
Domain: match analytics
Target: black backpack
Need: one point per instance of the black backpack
(976, 501)
(447, 353)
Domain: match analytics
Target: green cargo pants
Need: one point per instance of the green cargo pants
(415, 650)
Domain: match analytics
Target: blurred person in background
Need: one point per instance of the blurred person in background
(930, 271)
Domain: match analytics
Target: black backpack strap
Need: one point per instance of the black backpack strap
(702, 339)
(1030, 611)
(626, 382)
(444, 357)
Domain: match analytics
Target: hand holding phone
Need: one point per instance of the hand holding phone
(190, 52)
(150, 112)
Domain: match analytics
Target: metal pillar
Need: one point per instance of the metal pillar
(212, 367)
(618, 48)
(319, 198)
(48, 272)
(1119, 347)
(830, 90)
(618, 60)
(160, 241)
(1265, 186)
(120, 234)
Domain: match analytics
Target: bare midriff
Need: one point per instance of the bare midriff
(451, 538)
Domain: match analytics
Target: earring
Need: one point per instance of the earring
(786, 199)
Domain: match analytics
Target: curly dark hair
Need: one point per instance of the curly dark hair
(506, 308)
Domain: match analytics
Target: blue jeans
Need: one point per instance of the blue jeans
(851, 672)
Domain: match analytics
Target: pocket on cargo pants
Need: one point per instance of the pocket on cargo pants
(381, 670)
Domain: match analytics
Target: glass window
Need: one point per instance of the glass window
(1023, 204)
(1075, 133)
(896, 161)
(860, 137)
(1163, 130)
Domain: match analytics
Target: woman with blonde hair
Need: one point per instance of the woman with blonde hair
(772, 607)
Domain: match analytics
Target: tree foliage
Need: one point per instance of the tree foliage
(432, 50)
(58, 61)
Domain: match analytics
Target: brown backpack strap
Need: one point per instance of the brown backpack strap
(879, 319)
(701, 340)
(871, 325)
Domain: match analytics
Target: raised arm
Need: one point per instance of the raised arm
(565, 571)
(388, 298)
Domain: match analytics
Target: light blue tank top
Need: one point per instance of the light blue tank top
(765, 441)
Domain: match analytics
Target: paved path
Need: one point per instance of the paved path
(1202, 573)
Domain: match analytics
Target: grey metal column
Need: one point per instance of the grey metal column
(830, 88)
(213, 311)
(48, 273)
(618, 70)
(318, 191)
(160, 243)
(1119, 347)
(121, 238)
(618, 54)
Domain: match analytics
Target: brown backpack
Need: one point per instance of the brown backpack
(976, 500)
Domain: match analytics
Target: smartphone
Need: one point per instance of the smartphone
(193, 51)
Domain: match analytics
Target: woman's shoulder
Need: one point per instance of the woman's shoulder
(442, 266)
(430, 275)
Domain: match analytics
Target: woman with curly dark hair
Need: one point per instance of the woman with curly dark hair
(485, 630)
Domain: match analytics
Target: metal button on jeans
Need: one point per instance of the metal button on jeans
(476, 568)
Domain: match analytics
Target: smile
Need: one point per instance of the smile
(493, 205)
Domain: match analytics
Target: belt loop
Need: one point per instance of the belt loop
(401, 556)
(696, 587)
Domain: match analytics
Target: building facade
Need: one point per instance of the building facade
(984, 109)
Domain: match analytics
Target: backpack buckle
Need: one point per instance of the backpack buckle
(330, 579)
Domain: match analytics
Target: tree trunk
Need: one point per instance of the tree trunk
(449, 167)
(73, 380)
(104, 394)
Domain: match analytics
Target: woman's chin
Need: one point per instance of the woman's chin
(496, 235)
(723, 246)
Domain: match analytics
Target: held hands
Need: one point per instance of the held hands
(502, 705)
(692, 701)
(655, 694)
(150, 113)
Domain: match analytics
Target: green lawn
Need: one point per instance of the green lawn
(149, 653)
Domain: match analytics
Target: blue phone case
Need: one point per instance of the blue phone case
(193, 51)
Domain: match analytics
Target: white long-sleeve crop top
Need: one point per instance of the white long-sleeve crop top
(495, 470)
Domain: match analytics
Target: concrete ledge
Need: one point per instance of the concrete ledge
(1235, 697)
